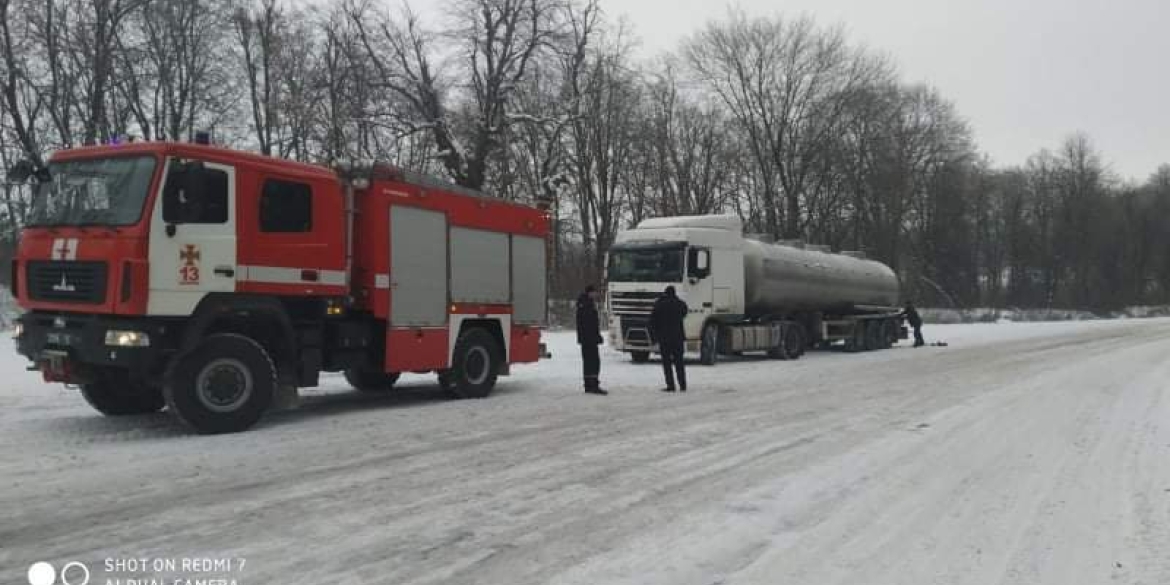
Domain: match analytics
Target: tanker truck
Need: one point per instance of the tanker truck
(746, 294)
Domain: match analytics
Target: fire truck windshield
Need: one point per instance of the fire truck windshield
(103, 192)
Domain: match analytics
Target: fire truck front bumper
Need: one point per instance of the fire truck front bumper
(69, 348)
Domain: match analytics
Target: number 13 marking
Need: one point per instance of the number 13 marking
(189, 275)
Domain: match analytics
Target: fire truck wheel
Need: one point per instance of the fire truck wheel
(224, 385)
(640, 357)
(475, 365)
(364, 380)
(447, 384)
(116, 395)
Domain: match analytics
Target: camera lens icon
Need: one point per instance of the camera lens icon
(73, 573)
(42, 573)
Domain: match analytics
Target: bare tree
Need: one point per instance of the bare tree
(781, 121)
(894, 143)
(259, 34)
(606, 94)
(173, 71)
(689, 150)
(497, 43)
(788, 84)
(95, 43)
(22, 103)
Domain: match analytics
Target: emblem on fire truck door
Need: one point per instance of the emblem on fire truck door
(189, 264)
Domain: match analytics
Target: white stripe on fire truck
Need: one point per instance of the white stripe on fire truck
(280, 275)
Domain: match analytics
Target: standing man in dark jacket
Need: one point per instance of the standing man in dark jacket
(589, 338)
(915, 321)
(666, 328)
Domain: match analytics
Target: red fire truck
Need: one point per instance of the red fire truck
(214, 282)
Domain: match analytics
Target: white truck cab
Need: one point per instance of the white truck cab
(702, 257)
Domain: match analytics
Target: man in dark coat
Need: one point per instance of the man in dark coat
(666, 328)
(589, 338)
(915, 321)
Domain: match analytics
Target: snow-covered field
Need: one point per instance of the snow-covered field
(1021, 453)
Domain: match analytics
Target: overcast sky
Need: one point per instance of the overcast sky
(1025, 73)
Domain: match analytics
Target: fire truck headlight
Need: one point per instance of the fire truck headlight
(18, 330)
(127, 338)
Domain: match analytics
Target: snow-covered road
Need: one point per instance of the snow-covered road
(1022, 453)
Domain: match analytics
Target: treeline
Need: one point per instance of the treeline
(785, 122)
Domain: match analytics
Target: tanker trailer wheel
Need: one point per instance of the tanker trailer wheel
(115, 394)
(780, 351)
(889, 333)
(709, 345)
(799, 340)
(223, 385)
(791, 343)
(475, 365)
(367, 380)
(856, 341)
(640, 357)
(873, 335)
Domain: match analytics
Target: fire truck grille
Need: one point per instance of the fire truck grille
(70, 282)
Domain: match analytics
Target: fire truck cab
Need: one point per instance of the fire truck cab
(213, 282)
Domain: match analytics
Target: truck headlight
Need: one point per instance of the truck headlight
(17, 330)
(118, 338)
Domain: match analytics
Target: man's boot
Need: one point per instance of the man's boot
(592, 386)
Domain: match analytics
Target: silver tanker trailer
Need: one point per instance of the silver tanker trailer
(746, 295)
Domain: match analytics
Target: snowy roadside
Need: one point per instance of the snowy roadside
(991, 315)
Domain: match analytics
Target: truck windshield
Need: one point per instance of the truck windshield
(107, 191)
(657, 264)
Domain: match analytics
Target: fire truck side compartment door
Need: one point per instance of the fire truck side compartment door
(479, 266)
(200, 257)
(529, 280)
(418, 267)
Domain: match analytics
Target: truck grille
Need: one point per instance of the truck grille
(635, 304)
(71, 282)
(634, 308)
